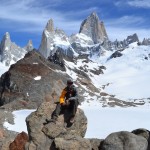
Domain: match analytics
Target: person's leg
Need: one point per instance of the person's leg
(73, 109)
(57, 111)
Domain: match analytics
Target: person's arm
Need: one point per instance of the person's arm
(75, 97)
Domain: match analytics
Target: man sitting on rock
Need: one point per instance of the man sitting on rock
(68, 100)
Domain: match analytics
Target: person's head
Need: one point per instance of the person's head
(69, 82)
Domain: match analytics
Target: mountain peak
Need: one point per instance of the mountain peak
(94, 14)
(50, 25)
(29, 46)
(7, 35)
(93, 28)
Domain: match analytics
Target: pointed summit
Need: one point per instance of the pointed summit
(50, 26)
(7, 35)
(29, 46)
(94, 15)
(94, 28)
(9, 51)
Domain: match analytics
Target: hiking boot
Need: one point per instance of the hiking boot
(52, 120)
(72, 119)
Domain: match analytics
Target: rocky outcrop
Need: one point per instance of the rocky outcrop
(9, 51)
(146, 41)
(132, 38)
(62, 135)
(31, 81)
(93, 28)
(115, 55)
(19, 142)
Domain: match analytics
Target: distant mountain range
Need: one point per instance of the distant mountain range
(91, 39)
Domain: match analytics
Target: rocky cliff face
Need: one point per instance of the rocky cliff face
(10, 52)
(93, 28)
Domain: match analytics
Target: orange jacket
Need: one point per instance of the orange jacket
(62, 96)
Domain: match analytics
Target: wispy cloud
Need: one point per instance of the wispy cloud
(31, 15)
(134, 3)
(126, 21)
(139, 3)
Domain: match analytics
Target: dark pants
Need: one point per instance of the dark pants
(72, 108)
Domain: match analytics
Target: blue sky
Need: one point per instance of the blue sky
(26, 19)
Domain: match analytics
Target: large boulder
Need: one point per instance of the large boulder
(124, 141)
(43, 136)
(31, 81)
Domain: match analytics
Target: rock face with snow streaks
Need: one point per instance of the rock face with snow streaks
(54, 39)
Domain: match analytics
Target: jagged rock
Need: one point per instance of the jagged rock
(30, 81)
(97, 71)
(124, 141)
(19, 142)
(93, 28)
(132, 38)
(116, 54)
(50, 25)
(9, 51)
(146, 41)
(42, 136)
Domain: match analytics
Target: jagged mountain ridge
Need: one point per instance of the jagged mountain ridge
(82, 42)
(10, 52)
(91, 39)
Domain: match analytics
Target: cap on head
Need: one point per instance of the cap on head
(69, 81)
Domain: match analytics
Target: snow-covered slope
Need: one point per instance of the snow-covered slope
(3, 68)
(126, 78)
(128, 75)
